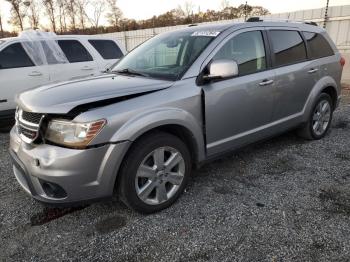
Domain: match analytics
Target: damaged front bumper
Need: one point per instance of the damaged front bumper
(57, 175)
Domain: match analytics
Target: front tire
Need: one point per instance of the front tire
(154, 173)
(320, 119)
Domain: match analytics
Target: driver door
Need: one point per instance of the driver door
(238, 110)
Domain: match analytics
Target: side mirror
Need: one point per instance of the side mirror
(221, 69)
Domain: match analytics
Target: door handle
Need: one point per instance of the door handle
(3, 100)
(35, 73)
(313, 70)
(266, 82)
(87, 68)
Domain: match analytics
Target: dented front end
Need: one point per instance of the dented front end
(70, 139)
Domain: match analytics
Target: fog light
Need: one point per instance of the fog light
(53, 190)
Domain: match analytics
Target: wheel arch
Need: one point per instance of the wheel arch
(171, 120)
(325, 85)
(332, 92)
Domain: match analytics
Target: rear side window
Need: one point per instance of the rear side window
(248, 50)
(14, 56)
(74, 51)
(107, 49)
(318, 45)
(288, 47)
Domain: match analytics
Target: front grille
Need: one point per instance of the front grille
(31, 117)
(28, 125)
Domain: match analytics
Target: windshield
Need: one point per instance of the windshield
(166, 56)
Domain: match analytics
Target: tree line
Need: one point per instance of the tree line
(84, 16)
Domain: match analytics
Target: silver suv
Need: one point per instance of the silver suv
(177, 100)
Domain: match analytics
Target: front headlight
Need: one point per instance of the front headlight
(75, 135)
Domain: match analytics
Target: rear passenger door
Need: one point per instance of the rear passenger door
(295, 75)
(81, 63)
(321, 54)
(237, 110)
(17, 74)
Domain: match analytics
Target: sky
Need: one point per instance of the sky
(143, 9)
(148, 8)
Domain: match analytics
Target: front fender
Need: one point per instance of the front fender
(151, 119)
(324, 82)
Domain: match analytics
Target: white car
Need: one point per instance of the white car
(87, 56)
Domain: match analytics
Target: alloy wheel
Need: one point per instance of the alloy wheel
(321, 117)
(160, 175)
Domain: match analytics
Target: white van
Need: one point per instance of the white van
(86, 55)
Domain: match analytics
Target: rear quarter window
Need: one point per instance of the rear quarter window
(318, 45)
(108, 49)
(288, 47)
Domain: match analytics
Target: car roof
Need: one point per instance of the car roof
(85, 36)
(241, 25)
(212, 27)
(64, 36)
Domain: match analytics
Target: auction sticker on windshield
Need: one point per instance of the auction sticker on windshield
(206, 33)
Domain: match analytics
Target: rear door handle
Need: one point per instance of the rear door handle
(3, 100)
(35, 73)
(87, 68)
(313, 70)
(266, 82)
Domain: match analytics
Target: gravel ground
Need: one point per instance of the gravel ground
(285, 199)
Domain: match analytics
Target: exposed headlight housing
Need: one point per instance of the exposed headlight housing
(71, 134)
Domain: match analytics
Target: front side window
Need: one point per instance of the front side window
(74, 51)
(248, 50)
(107, 49)
(318, 45)
(167, 56)
(14, 56)
(288, 47)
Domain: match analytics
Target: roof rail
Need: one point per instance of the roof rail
(262, 19)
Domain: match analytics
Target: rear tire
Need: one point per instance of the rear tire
(154, 173)
(320, 119)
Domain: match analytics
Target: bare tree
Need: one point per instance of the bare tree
(188, 8)
(114, 13)
(259, 11)
(224, 4)
(81, 6)
(49, 6)
(62, 15)
(179, 12)
(18, 12)
(34, 13)
(71, 12)
(98, 7)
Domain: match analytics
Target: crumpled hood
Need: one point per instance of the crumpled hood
(63, 97)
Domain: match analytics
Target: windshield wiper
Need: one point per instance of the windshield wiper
(128, 71)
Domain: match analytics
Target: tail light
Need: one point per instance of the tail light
(342, 61)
